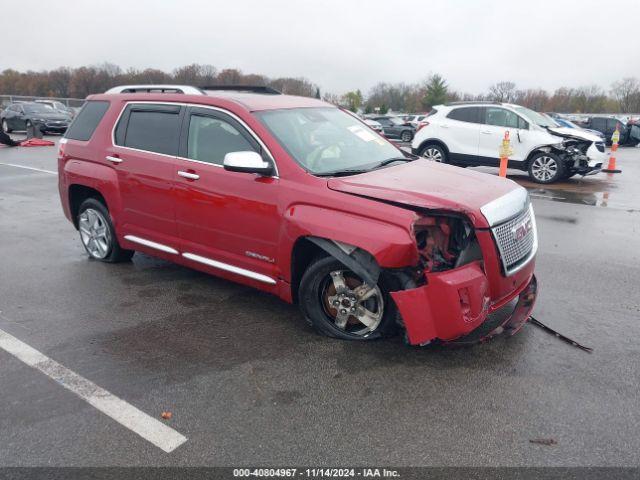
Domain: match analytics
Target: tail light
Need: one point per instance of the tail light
(421, 124)
(61, 145)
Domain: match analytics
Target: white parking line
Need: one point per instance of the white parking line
(29, 168)
(127, 415)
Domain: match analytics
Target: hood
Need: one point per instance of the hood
(432, 186)
(575, 133)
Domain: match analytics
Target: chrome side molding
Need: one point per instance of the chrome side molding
(150, 244)
(229, 268)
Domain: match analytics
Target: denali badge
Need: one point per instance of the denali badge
(521, 230)
(264, 258)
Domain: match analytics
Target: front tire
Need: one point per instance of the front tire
(546, 168)
(98, 235)
(434, 153)
(5, 126)
(339, 304)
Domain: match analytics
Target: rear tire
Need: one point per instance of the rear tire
(98, 235)
(332, 302)
(434, 153)
(406, 136)
(546, 168)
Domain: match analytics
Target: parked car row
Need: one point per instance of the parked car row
(42, 115)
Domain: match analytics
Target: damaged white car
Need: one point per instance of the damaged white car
(471, 133)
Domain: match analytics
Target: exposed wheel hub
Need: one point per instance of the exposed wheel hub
(353, 305)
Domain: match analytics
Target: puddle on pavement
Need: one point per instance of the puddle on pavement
(596, 192)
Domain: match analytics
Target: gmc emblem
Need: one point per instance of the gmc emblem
(520, 231)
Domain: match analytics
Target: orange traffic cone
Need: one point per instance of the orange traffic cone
(505, 151)
(611, 167)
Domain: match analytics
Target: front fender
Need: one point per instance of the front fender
(391, 245)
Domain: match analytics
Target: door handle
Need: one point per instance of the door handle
(444, 126)
(486, 132)
(189, 175)
(113, 159)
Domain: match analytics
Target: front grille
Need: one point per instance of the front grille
(516, 240)
(600, 146)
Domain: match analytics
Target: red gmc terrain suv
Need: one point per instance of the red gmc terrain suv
(298, 198)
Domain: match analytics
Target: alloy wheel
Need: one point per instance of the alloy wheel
(433, 154)
(95, 233)
(352, 305)
(406, 136)
(544, 168)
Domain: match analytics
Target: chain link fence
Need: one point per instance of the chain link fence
(74, 103)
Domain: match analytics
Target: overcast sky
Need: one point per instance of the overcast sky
(338, 44)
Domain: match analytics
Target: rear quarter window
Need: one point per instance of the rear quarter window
(87, 120)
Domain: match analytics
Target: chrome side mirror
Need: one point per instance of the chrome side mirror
(247, 162)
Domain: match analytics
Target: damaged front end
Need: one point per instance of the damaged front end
(464, 281)
(580, 156)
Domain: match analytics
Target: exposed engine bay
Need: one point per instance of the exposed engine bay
(573, 150)
(445, 242)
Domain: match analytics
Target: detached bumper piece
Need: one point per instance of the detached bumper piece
(455, 308)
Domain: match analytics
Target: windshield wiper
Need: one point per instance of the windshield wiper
(342, 173)
(392, 160)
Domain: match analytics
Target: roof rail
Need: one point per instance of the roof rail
(186, 89)
(244, 88)
(470, 102)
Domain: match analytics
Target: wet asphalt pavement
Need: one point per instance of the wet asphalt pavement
(249, 383)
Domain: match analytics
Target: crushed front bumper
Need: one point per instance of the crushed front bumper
(455, 307)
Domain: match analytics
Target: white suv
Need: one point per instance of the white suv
(470, 134)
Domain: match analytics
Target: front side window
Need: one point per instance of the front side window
(325, 139)
(500, 117)
(211, 138)
(153, 128)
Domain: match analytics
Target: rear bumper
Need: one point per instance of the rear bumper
(455, 303)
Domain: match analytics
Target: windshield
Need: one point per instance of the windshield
(37, 108)
(537, 118)
(324, 140)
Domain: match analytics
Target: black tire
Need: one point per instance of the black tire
(5, 126)
(113, 252)
(406, 136)
(316, 309)
(546, 168)
(431, 152)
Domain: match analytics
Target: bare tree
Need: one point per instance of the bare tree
(625, 92)
(503, 92)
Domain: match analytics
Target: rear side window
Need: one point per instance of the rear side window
(87, 120)
(153, 128)
(467, 114)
